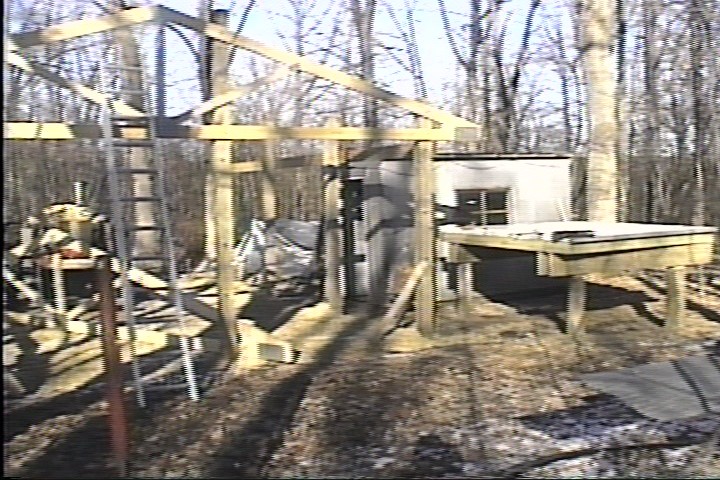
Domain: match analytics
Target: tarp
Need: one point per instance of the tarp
(673, 390)
(294, 241)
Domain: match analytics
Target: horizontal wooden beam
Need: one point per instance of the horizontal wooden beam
(80, 28)
(309, 66)
(62, 131)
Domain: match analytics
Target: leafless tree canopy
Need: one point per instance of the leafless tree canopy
(521, 69)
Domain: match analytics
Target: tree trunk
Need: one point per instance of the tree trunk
(597, 27)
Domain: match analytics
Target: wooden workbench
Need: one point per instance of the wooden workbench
(576, 249)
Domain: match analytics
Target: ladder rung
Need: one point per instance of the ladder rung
(133, 143)
(133, 171)
(140, 199)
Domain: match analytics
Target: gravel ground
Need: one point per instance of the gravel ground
(505, 402)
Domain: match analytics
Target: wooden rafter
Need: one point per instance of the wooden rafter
(85, 92)
(137, 16)
(62, 131)
(80, 28)
(313, 68)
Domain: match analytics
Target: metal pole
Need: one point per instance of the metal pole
(111, 352)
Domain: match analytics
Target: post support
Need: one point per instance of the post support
(424, 224)
(676, 296)
(577, 298)
(223, 211)
(333, 241)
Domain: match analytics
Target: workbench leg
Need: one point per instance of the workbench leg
(577, 297)
(464, 282)
(676, 296)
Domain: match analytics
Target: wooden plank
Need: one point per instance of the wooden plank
(626, 262)
(406, 292)
(676, 296)
(80, 28)
(535, 245)
(223, 207)
(87, 93)
(309, 66)
(333, 241)
(577, 298)
(62, 131)
(424, 233)
(239, 167)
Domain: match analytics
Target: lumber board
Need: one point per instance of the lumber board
(536, 245)
(624, 262)
(406, 292)
(64, 131)
(309, 66)
(424, 234)
(80, 28)
(333, 240)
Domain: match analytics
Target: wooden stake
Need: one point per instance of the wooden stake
(676, 296)
(333, 241)
(424, 192)
(406, 292)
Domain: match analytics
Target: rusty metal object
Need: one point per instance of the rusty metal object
(113, 367)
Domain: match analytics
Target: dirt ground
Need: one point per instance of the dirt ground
(505, 401)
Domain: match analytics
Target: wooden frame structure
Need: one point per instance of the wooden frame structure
(435, 125)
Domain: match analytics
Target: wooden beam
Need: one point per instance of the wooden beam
(309, 66)
(80, 28)
(577, 298)
(676, 296)
(239, 167)
(63, 131)
(333, 241)
(222, 206)
(406, 292)
(87, 93)
(424, 238)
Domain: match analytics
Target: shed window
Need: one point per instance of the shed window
(482, 206)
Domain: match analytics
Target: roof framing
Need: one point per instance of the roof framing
(140, 15)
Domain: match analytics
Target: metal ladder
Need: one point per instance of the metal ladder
(120, 179)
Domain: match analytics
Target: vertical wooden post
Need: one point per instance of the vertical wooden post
(676, 296)
(577, 298)
(424, 224)
(465, 276)
(333, 241)
(269, 202)
(113, 367)
(223, 212)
